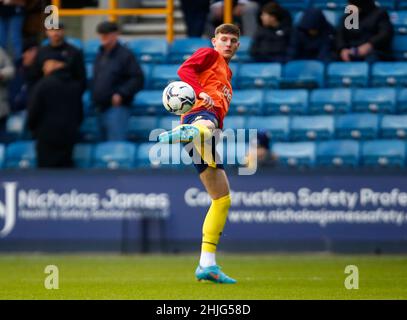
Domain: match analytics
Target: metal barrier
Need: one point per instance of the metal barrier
(113, 12)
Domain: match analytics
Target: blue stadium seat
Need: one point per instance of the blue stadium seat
(332, 16)
(88, 108)
(312, 127)
(337, 100)
(394, 126)
(388, 4)
(234, 122)
(246, 102)
(258, 75)
(83, 155)
(16, 126)
(297, 154)
(293, 5)
(21, 155)
(402, 101)
(374, 100)
(400, 4)
(89, 72)
(148, 102)
(399, 21)
(234, 67)
(389, 74)
(400, 47)
(91, 49)
(182, 49)
(243, 53)
(338, 153)
(114, 155)
(278, 127)
(357, 126)
(90, 130)
(286, 101)
(233, 153)
(168, 122)
(162, 75)
(330, 4)
(139, 127)
(303, 74)
(155, 155)
(385, 153)
(348, 74)
(2, 155)
(149, 50)
(147, 69)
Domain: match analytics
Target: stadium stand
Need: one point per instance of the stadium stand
(330, 101)
(247, 102)
(2, 155)
(384, 153)
(393, 126)
(299, 154)
(374, 100)
(149, 50)
(320, 127)
(182, 49)
(303, 74)
(338, 153)
(348, 74)
(115, 155)
(83, 155)
(278, 127)
(357, 126)
(259, 75)
(286, 101)
(20, 155)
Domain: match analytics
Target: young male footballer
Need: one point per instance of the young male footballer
(208, 72)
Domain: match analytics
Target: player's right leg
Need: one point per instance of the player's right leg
(217, 186)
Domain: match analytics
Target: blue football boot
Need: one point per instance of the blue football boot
(214, 274)
(181, 134)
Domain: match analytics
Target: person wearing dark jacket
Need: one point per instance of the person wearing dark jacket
(312, 38)
(55, 113)
(58, 45)
(271, 41)
(372, 40)
(117, 78)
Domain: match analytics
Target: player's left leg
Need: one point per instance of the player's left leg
(217, 186)
(188, 132)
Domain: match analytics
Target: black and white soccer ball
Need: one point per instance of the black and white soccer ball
(178, 97)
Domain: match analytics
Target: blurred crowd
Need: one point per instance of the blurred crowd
(46, 80)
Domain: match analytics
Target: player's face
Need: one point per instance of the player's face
(226, 44)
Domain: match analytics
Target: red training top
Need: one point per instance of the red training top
(207, 71)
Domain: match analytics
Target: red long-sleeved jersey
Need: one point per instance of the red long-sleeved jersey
(207, 71)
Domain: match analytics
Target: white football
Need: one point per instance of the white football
(178, 97)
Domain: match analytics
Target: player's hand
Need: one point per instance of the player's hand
(208, 102)
(117, 100)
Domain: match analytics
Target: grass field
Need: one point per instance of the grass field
(168, 277)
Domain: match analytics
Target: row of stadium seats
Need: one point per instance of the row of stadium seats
(126, 155)
(339, 4)
(280, 127)
(294, 74)
(157, 50)
(288, 101)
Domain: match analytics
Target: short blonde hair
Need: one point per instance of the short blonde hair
(228, 28)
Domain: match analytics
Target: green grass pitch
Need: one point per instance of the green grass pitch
(170, 277)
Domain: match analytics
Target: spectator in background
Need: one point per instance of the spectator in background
(312, 38)
(19, 85)
(195, 16)
(6, 73)
(245, 11)
(259, 154)
(57, 44)
(11, 25)
(117, 78)
(372, 40)
(272, 38)
(55, 113)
